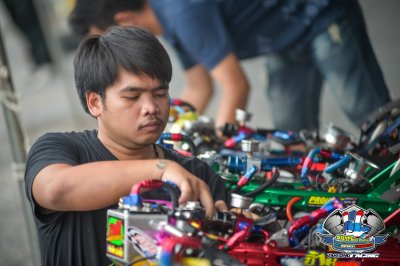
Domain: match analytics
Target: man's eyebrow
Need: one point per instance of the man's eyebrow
(133, 88)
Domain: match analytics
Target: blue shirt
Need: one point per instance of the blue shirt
(205, 31)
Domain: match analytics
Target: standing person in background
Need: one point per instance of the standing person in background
(306, 43)
(73, 178)
(25, 16)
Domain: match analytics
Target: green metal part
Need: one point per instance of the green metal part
(312, 199)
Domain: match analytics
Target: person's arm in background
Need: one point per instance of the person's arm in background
(235, 89)
(198, 89)
(203, 42)
(229, 76)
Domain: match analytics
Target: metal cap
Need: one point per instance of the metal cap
(250, 145)
(360, 168)
(241, 202)
(242, 116)
(337, 137)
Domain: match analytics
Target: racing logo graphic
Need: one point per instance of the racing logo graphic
(141, 242)
(353, 230)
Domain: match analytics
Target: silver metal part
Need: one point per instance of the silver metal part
(191, 210)
(253, 161)
(209, 157)
(360, 168)
(380, 128)
(173, 230)
(250, 146)
(241, 202)
(281, 238)
(192, 205)
(242, 116)
(337, 137)
(395, 168)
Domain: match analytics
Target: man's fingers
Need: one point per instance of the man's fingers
(246, 214)
(220, 134)
(221, 206)
(186, 191)
(206, 200)
(199, 192)
(195, 189)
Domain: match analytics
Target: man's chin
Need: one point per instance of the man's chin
(150, 139)
(147, 137)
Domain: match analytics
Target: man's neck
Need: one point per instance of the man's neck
(123, 152)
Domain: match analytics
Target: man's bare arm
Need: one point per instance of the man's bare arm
(62, 187)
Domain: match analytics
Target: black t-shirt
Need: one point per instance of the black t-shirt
(79, 237)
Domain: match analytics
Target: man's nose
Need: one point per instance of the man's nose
(149, 105)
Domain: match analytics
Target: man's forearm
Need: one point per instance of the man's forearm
(93, 185)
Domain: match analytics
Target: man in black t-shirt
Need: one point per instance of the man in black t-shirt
(73, 178)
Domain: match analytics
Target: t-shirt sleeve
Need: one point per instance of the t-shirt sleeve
(201, 34)
(216, 184)
(49, 149)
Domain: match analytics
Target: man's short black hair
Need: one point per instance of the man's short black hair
(100, 59)
(99, 13)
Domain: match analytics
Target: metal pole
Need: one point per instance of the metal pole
(18, 147)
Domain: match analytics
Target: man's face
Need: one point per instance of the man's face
(134, 112)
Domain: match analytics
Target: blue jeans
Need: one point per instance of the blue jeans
(343, 57)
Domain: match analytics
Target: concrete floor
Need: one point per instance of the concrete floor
(48, 103)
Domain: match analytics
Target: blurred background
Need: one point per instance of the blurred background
(44, 88)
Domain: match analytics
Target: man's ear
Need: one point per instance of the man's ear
(94, 103)
(125, 19)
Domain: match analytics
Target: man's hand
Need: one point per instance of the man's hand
(191, 187)
(247, 214)
(221, 206)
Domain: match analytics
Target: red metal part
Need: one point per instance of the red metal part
(393, 219)
(151, 183)
(263, 254)
(389, 254)
(268, 254)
